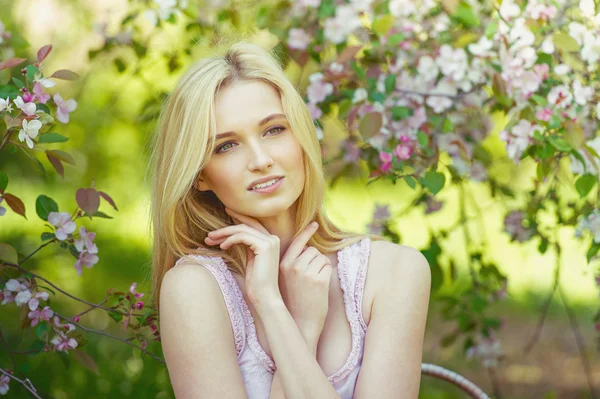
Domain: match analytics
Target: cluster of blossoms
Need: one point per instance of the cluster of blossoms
(20, 292)
(488, 350)
(513, 225)
(380, 217)
(590, 223)
(84, 244)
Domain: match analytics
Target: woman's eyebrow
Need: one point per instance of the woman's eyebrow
(260, 123)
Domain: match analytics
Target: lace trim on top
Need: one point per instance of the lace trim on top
(222, 279)
(360, 280)
(253, 343)
(351, 311)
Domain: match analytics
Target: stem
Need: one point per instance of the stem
(93, 305)
(34, 252)
(585, 362)
(26, 383)
(12, 359)
(109, 335)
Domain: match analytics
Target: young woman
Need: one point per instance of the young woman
(254, 301)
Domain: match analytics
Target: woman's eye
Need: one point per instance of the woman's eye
(279, 129)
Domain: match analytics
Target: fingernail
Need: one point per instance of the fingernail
(315, 224)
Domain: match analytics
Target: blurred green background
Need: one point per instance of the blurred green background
(110, 147)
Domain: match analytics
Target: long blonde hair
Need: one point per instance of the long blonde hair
(181, 215)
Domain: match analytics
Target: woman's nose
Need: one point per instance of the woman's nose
(260, 157)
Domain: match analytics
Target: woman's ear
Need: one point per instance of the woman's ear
(201, 185)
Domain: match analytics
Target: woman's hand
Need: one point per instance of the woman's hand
(262, 251)
(304, 277)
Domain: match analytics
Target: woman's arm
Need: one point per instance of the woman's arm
(277, 391)
(297, 368)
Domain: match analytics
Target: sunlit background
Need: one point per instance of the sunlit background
(111, 150)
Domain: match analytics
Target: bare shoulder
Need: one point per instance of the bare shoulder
(196, 335)
(394, 264)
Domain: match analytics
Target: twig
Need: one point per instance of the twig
(34, 252)
(495, 384)
(93, 305)
(538, 330)
(26, 383)
(14, 363)
(109, 335)
(579, 339)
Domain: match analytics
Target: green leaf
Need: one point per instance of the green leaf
(119, 64)
(559, 143)
(8, 254)
(47, 236)
(32, 70)
(434, 181)
(401, 112)
(540, 100)
(390, 83)
(98, 214)
(422, 139)
(3, 181)
(565, 42)
(52, 138)
(585, 184)
(594, 248)
(326, 9)
(412, 183)
(466, 15)
(8, 91)
(447, 126)
(115, 315)
(382, 25)
(44, 205)
(18, 82)
(491, 29)
(41, 330)
(395, 39)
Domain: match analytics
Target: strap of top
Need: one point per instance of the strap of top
(218, 268)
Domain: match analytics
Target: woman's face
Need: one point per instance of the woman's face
(251, 150)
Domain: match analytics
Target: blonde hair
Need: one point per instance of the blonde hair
(181, 215)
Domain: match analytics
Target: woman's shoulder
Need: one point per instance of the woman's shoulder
(389, 261)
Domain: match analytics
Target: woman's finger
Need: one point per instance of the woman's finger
(295, 248)
(236, 228)
(253, 241)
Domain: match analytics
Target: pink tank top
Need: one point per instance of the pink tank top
(256, 365)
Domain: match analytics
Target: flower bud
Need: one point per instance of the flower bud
(76, 319)
(144, 344)
(140, 305)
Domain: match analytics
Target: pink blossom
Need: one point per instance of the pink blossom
(298, 39)
(386, 159)
(34, 302)
(403, 151)
(85, 259)
(37, 315)
(542, 70)
(132, 289)
(315, 111)
(318, 89)
(63, 223)
(27, 107)
(64, 108)
(543, 114)
(40, 96)
(27, 96)
(62, 343)
(352, 153)
(4, 379)
(86, 238)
